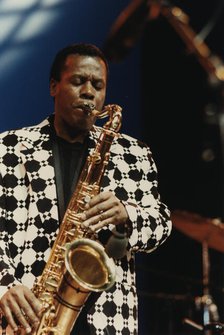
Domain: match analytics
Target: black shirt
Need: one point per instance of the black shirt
(69, 159)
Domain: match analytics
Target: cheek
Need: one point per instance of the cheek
(100, 101)
(68, 92)
(66, 97)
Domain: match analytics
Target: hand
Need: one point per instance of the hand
(102, 210)
(19, 303)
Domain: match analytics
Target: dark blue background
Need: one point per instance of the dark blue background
(163, 91)
(32, 32)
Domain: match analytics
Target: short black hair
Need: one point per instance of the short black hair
(83, 49)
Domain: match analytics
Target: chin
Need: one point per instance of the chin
(80, 125)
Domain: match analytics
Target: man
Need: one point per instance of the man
(39, 169)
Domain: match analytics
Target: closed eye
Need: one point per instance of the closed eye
(98, 84)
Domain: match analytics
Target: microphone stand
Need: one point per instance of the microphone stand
(210, 312)
(206, 300)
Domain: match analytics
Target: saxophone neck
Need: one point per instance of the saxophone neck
(112, 111)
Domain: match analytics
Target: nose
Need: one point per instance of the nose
(87, 91)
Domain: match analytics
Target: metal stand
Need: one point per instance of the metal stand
(206, 299)
(210, 315)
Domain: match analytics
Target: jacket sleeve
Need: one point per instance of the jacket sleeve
(7, 268)
(149, 218)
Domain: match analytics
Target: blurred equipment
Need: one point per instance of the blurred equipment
(127, 29)
(132, 21)
(213, 328)
(209, 232)
(200, 228)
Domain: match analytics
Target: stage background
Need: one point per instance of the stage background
(165, 94)
(183, 131)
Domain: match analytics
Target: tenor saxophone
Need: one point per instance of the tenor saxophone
(78, 264)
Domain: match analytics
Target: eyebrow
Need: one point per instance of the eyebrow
(90, 77)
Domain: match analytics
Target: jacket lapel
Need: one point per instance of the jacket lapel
(37, 158)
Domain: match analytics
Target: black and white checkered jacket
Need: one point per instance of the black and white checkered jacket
(29, 217)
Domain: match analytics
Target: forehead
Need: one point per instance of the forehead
(85, 65)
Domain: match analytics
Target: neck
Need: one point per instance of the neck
(70, 134)
(71, 137)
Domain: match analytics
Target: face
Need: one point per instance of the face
(82, 81)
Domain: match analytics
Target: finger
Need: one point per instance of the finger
(99, 210)
(93, 214)
(30, 314)
(98, 219)
(107, 218)
(104, 215)
(34, 302)
(98, 199)
(18, 301)
(7, 313)
(100, 225)
(20, 317)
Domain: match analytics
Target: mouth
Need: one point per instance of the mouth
(87, 107)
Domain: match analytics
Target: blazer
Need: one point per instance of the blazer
(29, 218)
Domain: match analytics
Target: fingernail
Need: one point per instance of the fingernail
(87, 207)
(36, 324)
(28, 330)
(83, 216)
(84, 225)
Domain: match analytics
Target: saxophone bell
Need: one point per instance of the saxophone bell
(89, 265)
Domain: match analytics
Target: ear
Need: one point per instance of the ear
(53, 87)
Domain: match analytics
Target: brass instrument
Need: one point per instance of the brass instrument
(78, 264)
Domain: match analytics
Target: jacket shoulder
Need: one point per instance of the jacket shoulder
(132, 140)
(29, 133)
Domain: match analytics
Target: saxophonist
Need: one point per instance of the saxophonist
(39, 169)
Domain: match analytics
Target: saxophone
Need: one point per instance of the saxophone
(78, 264)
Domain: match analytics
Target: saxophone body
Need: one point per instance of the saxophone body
(78, 264)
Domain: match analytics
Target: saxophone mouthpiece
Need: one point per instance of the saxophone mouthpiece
(89, 107)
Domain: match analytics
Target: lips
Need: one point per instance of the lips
(86, 107)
